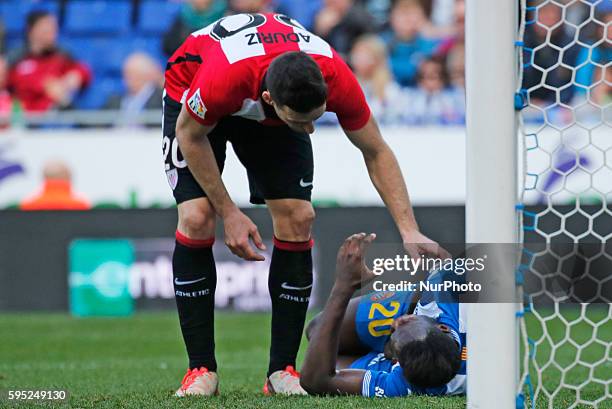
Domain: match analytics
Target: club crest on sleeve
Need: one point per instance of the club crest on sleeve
(172, 176)
(197, 105)
(382, 296)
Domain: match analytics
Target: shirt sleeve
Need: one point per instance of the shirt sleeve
(450, 318)
(346, 98)
(443, 313)
(72, 65)
(380, 384)
(84, 72)
(210, 98)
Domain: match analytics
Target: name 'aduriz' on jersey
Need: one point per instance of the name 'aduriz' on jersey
(270, 38)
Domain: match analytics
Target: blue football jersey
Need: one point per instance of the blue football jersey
(383, 377)
(375, 314)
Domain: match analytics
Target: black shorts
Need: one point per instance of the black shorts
(278, 160)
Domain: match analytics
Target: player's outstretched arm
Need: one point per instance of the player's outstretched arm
(197, 151)
(387, 177)
(319, 375)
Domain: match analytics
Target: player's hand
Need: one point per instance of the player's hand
(350, 263)
(238, 230)
(417, 244)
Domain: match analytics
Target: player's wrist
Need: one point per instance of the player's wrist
(343, 288)
(407, 233)
(228, 210)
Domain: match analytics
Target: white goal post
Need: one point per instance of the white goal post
(547, 75)
(492, 192)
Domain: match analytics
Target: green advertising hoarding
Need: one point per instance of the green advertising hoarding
(99, 277)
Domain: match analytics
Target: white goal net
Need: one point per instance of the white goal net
(565, 118)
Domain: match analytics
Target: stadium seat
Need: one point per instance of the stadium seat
(98, 92)
(105, 55)
(13, 43)
(156, 16)
(13, 13)
(98, 17)
(151, 46)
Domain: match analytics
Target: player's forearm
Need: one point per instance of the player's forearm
(201, 161)
(387, 177)
(320, 363)
(197, 151)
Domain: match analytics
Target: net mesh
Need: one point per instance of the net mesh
(565, 103)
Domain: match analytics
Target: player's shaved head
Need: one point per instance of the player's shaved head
(428, 354)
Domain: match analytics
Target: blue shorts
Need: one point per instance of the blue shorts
(376, 313)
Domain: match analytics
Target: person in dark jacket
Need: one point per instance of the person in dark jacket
(341, 22)
(548, 58)
(142, 78)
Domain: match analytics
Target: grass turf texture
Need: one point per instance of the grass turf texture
(138, 362)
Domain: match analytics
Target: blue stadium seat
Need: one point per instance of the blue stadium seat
(98, 92)
(105, 55)
(13, 13)
(98, 16)
(151, 46)
(13, 43)
(157, 15)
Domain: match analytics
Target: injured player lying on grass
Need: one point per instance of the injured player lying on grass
(383, 344)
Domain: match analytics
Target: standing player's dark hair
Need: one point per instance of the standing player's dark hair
(34, 17)
(295, 80)
(431, 362)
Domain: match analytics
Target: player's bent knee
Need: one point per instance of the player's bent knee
(196, 219)
(292, 218)
(300, 222)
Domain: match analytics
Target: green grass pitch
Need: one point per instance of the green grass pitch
(138, 362)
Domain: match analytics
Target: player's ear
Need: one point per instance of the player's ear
(444, 328)
(267, 97)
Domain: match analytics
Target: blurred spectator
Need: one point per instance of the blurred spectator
(56, 192)
(378, 9)
(6, 104)
(2, 35)
(194, 15)
(457, 36)
(602, 93)
(598, 53)
(302, 11)
(42, 76)
(370, 62)
(442, 13)
(341, 22)
(407, 45)
(142, 78)
(251, 6)
(431, 103)
(548, 57)
(455, 66)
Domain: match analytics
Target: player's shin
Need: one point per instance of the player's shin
(290, 285)
(195, 280)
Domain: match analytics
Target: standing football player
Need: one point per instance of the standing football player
(260, 81)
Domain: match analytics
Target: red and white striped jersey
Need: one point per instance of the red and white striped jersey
(219, 70)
